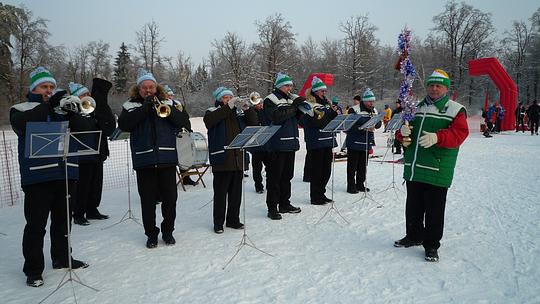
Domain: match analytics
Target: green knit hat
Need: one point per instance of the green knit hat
(317, 84)
(282, 79)
(40, 75)
(439, 77)
(368, 95)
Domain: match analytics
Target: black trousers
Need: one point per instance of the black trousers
(397, 146)
(89, 189)
(424, 213)
(534, 125)
(278, 179)
(227, 197)
(321, 168)
(498, 125)
(40, 200)
(259, 158)
(519, 121)
(307, 167)
(356, 168)
(157, 184)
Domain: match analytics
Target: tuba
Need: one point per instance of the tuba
(87, 105)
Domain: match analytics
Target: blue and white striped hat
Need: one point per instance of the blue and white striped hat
(77, 89)
(145, 75)
(220, 92)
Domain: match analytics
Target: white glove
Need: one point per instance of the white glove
(405, 131)
(233, 101)
(428, 139)
(70, 104)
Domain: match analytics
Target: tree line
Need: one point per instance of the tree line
(357, 59)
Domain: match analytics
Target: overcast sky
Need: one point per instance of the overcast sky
(191, 26)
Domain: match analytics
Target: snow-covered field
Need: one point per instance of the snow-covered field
(490, 252)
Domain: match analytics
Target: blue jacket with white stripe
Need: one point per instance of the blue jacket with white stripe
(361, 140)
(224, 124)
(152, 138)
(39, 170)
(315, 139)
(279, 110)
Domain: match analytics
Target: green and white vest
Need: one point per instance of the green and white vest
(434, 165)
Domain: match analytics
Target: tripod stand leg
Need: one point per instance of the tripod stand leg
(201, 207)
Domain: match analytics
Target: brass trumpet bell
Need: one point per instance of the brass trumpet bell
(87, 105)
(163, 110)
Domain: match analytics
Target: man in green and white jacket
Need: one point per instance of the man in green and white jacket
(437, 131)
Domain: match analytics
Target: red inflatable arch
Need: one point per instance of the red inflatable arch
(507, 87)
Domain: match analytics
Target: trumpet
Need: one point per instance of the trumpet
(87, 105)
(162, 109)
(308, 109)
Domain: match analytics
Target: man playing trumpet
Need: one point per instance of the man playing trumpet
(281, 108)
(319, 144)
(94, 114)
(152, 121)
(42, 179)
(224, 121)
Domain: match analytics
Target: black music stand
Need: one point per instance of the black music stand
(120, 135)
(369, 124)
(393, 125)
(339, 123)
(53, 140)
(250, 137)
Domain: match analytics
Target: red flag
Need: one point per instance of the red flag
(328, 80)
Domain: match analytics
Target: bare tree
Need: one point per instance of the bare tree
(358, 63)
(516, 43)
(148, 44)
(99, 59)
(8, 20)
(275, 42)
(29, 35)
(330, 55)
(463, 28)
(235, 61)
(180, 74)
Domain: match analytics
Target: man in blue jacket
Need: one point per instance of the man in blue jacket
(359, 142)
(319, 144)
(153, 152)
(281, 108)
(224, 121)
(43, 179)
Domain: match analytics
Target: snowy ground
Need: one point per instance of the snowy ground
(490, 251)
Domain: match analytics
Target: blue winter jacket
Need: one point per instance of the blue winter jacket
(361, 140)
(314, 138)
(152, 138)
(39, 170)
(224, 124)
(278, 110)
